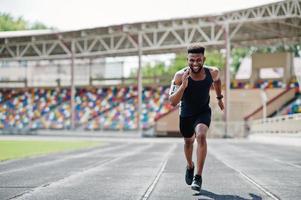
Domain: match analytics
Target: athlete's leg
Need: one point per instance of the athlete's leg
(201, 131)
(188, 149)
(187, 130)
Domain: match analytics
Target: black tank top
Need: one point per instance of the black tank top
(196, 97)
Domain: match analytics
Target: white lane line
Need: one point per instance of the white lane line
(266, 157)
(73, 178)
(41, 187)
(287, 163)
(81, 155)
(263, 189)
(258, 186)
(155, 181)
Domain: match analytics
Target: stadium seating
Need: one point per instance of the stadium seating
(107, 108)
(123, 116)
(244, 84)
(20, 109)
(110, 108)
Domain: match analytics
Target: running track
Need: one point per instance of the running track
(153, 169)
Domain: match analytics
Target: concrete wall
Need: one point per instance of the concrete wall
(168, 123)
(281, 124)
(272, 60)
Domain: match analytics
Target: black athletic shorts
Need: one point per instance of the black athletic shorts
(188, 124)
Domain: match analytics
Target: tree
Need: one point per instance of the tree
(238, 54)
(214, 58)
(177, 64)
(8, 23)
(295, 49)
(38, 26)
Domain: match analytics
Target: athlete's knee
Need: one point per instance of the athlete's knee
(201, 131)
(189, 142)
(201, 138)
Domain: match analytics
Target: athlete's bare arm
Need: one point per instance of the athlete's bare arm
(217, 86)
(178, 86)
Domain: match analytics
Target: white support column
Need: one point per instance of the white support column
(140, 87)
(227, 78)
(72, 102)
(90, 71)
(264, 100)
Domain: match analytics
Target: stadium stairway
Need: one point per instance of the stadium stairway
(291, 107)
(273, 105)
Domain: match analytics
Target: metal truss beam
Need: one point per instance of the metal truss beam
(161, 36)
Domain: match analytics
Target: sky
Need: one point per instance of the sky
(79, 14)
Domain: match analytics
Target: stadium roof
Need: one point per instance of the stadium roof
(272, 24)
(25, 33)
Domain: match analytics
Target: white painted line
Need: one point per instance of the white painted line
(287, 163)
(76, 176)
(41, 187)
(163, 165)
(258, 186)
(263, 189)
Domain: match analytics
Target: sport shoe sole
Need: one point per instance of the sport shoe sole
(196, 188)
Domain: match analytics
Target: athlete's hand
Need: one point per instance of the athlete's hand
(185, 79)
(221, 104)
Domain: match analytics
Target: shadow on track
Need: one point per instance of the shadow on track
(214, 196)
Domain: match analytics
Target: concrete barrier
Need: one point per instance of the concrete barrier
(281, 124)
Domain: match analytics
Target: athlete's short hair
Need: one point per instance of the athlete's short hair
(196, 48)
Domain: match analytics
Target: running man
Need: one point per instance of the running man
(190, 87)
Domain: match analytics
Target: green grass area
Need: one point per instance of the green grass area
(20, 149)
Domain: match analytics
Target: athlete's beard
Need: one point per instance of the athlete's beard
(195, 72)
